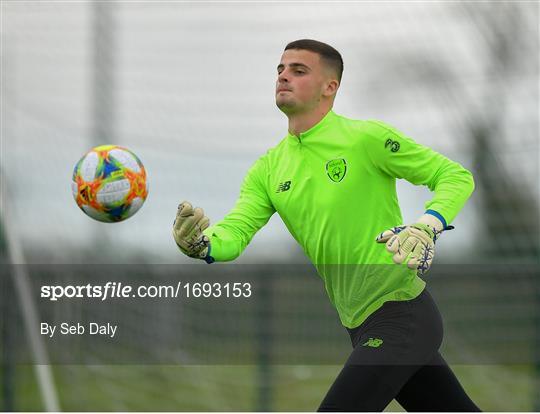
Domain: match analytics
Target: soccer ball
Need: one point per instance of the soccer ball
(109, 183)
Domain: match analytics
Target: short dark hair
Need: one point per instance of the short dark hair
(327, 53)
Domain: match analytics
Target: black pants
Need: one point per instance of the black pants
(396, 356)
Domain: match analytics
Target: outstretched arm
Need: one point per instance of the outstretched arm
(227, 239)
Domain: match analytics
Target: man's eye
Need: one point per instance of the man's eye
(300, 72)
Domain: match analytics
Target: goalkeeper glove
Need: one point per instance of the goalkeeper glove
(188, 230)
(414, 244)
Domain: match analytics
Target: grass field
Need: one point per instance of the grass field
(236, 388)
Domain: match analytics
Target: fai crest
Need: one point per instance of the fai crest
(336, 169)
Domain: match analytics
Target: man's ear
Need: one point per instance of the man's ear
(330, 87)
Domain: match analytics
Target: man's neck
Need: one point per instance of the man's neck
(299, 123)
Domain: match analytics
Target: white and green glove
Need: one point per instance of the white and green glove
(413, 245)
(188, 230)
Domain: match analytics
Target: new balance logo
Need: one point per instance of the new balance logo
(284, 186)
(373, 342)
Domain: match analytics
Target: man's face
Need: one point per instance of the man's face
(301, 81)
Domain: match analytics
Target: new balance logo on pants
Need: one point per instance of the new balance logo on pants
(373, 342)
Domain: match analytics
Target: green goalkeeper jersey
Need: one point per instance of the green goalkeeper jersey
(334, 187)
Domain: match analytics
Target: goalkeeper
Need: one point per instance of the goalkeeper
(333, 182)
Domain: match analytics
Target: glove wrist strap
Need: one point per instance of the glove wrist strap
(208, 259)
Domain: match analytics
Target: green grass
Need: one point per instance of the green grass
(235, 388)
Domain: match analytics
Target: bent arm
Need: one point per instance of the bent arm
(399, 156)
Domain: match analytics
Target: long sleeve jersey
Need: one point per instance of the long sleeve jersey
(334, 186)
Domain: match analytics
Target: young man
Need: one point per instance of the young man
(332, 181)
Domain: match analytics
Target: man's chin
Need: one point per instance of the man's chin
(286, 107)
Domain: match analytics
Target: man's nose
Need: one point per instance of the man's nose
(283, 77)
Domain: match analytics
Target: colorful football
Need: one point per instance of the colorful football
(109, 183)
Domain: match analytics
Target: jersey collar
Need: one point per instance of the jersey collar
(314, 129)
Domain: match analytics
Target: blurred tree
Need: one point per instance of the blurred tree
(509, 207)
